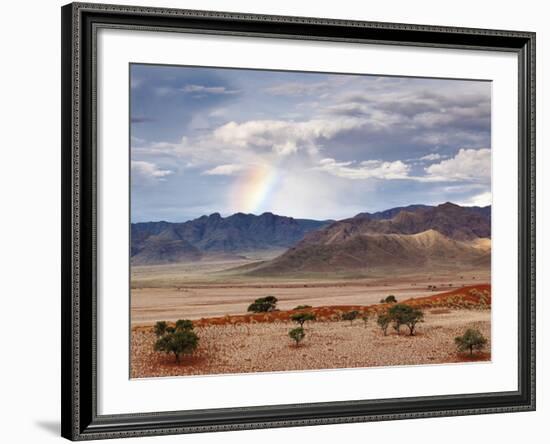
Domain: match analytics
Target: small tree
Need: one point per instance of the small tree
(471, 340)
(302, 307)
(301, 318)
(263, 305)
(297, 334)
(383, 322)
(403, 314)
(350, 316)
(365, 318)
(390, 299)
(178, 342)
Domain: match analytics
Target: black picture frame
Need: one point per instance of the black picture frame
(80, 420)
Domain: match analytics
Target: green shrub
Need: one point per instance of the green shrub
(297, 334)
(365, 318)
(403, 314)
(263, 305)
(471, 340)
(390, 299)
(350, 316)
(301, 307)
(178, 342)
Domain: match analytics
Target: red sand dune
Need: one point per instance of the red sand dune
(474, 296)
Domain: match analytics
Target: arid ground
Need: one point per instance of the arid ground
(265, 347)
(232, 341)
(197, 290)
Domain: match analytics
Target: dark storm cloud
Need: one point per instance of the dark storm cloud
(421, 109)
(410, 120)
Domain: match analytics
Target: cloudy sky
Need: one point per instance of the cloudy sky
(309, 145)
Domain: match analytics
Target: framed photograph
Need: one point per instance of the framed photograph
(283, 221)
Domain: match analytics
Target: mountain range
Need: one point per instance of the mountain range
(446, 235)
(165, 242)
(417, 235)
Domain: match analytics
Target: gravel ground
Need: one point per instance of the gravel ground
(266, 347)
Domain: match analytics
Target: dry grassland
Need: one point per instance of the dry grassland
(260, 343)
(266, 347)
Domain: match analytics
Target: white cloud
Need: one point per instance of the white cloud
(479, 200)
(208, 89)
(468, 164)
(250, 142)
(283, 137)
(431, 157)
(201, 151)
(143, 171)
(370, 169)
(224, 170)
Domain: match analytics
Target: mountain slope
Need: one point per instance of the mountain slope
(210, 234)
(165, 248)
(454, 221)
(376, 251)
(444, 236)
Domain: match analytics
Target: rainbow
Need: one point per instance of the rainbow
(254, 189)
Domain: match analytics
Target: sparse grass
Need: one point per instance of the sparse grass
(452, 300)
(440, 311)
(233, 341)
(225, 349)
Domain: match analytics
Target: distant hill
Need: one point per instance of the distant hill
(451, 220)
(447, 235)
(165, 242)
(164, 248)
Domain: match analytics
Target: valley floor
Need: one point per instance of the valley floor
(266, 347)
(232, 341)
(195, 299)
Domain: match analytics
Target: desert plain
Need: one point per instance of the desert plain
(216, 298)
